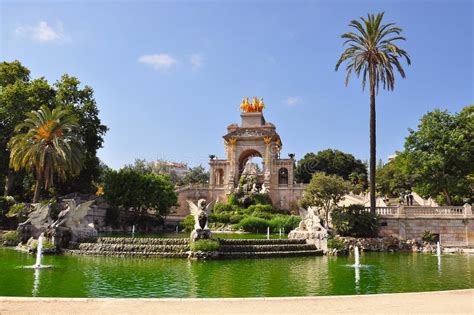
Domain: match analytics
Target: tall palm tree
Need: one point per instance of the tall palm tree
(372, 50)
(48, 145)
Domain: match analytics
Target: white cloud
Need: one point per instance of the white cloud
(160, 62)
(293, 100)
(43, 33)
(196, 61)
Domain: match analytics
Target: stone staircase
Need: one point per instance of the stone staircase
(241, 248)
(179, 247)
(136, 247)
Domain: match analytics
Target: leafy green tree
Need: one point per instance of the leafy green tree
(196, 175)
(372, 50)
(20, 95)
(393, 178)
(440, 154)
(82, 103)
(138, 193)
(47, 144)
(333, 162)
(324, 192)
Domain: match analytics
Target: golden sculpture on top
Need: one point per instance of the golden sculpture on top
(256, 106)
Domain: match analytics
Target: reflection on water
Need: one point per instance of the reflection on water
(304, 276)
(357, 278)
(36, 282)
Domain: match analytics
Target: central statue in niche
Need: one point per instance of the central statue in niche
(254, 138)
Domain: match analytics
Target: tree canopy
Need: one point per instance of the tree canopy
(324, 192)
(19, 95)
(440, 155)
(331, 161)
(138, 193)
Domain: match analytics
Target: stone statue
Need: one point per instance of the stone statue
(310, 229)
(37, 222)
(254, 188)
(200, 212)
(264, 189)
(311, 221)
(71, 226)
(39, 216)
(74, 214)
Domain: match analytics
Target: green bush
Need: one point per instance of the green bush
(336, 243)
(204, 246)
(187, 224)
(292, 222)
(355, 221)
(47, 244)
(260, 208)
(19, 210)
(253, 224)
(11, 238)
(222, 217)
(262, 215)
(278, 222)
(232, 200)
(428, 237)
(262, 199)
(220, 207)
(236, 218)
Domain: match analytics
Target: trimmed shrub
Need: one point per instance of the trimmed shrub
(262, 215)
(260, 208)
(204, 246)
(220, 207)
(223, 217)
(187, 224)
(292, 222)
(232, 200)
(236, 218)
(253, 224)
(278, 222)
(354, 221)
(262, 199)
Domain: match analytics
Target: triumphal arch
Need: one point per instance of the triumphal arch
(254, 137)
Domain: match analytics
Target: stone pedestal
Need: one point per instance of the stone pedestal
(318, 238)
(201, 235)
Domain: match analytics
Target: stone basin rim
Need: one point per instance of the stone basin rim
(282, 298)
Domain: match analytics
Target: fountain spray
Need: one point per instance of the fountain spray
(39, 251)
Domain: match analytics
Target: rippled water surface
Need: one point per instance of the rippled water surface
(74, 276)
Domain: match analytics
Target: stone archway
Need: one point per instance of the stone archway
(245, 156)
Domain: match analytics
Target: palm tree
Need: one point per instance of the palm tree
(372, 50)
(47, 144)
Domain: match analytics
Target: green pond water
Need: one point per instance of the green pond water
(79, 276)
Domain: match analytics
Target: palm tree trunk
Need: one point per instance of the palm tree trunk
(9, 182)
(36, 196)
(372, 141)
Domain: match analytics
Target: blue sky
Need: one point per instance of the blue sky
(169, 76)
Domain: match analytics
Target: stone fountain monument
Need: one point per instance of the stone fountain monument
(311, 229)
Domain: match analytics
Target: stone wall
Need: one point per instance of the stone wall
(453, 231)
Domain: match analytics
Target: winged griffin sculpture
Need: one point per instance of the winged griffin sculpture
(38, 217)
(311, 221)
(74, 215)
(200, 212)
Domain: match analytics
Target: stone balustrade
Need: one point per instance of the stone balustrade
(415, 211)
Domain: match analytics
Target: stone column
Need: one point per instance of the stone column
(467, 210)
(267, 172)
